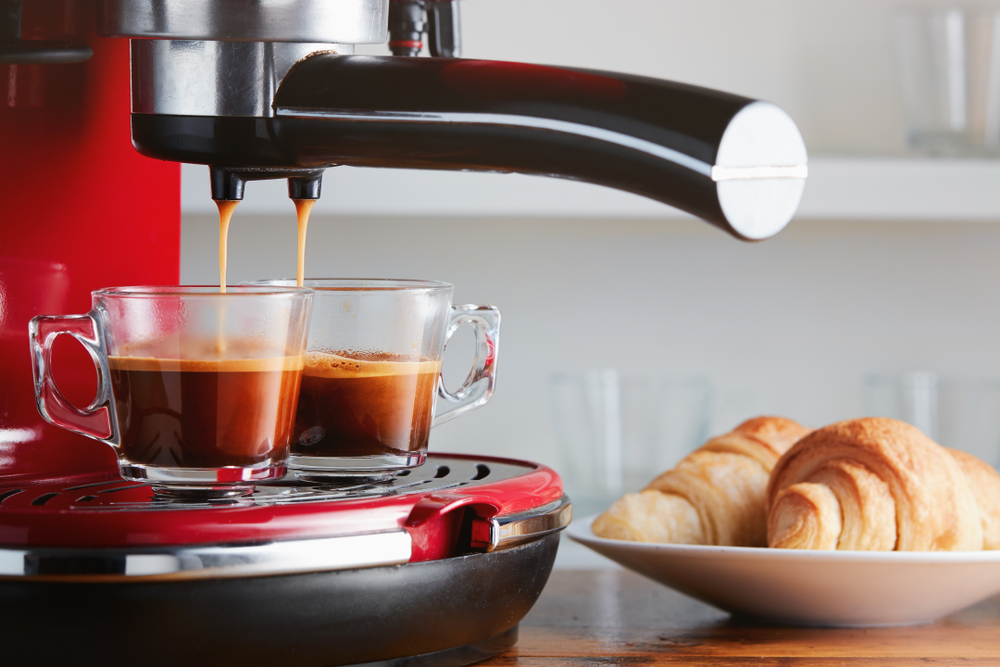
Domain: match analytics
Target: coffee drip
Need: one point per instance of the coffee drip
(226, 209)
(385, 399)
(303, 209)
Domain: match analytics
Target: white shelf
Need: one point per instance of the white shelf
(838, 188)
(902, 189)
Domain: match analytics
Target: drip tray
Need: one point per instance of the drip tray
(108, 513)
(438, 474)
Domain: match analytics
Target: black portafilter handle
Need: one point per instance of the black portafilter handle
(228, 183)
(739, 164)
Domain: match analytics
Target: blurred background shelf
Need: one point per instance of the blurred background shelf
(831, 64)
(839, 188)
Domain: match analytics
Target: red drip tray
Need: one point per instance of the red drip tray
(451, 505)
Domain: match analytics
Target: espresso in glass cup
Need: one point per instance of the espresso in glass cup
(371, 384)
(197, 389)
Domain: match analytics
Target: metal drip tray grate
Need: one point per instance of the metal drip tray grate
(105, 512)
(440, 473)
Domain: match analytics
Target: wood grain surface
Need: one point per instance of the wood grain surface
(594, 618)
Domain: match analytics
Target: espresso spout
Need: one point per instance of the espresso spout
(229, 183)
(738, 163)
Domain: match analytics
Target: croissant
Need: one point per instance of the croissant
(716, 495)
(879, 485)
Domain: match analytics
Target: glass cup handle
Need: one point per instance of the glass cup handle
(478, 386)
(96, 420)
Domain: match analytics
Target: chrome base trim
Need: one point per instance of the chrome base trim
(513, 529)
(218, 561)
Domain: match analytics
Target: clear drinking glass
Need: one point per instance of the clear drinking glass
(373, 371)
(910, 397)
(617, 431)
(197, 390)
(961, 413)
(948, 64)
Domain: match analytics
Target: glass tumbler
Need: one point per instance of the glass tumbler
(197, 389)
(948, 66)
(372, 387)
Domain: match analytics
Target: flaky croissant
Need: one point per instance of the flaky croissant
(879, 485)
(716, 495)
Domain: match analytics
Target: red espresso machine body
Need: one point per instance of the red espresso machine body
(434, 567)
(81, 210)
(437, 566)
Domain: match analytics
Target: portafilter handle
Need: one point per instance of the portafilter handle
(265, 88)
(738, 163)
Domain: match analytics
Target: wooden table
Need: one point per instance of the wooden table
(609, 617)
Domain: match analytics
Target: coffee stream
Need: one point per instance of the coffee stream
(385, 402)
(226, 208)
(303, 209)
(222, 407)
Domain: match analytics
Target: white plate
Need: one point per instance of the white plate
(832, 588)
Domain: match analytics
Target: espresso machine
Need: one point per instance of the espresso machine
(103, 99)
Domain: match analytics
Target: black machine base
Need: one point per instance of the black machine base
(443, 613)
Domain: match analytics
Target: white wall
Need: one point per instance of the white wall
(829, 63)
(788, 326)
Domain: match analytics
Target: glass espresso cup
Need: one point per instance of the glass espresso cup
(197, 389)
(373, 371)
